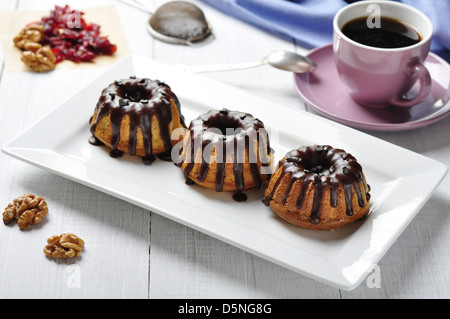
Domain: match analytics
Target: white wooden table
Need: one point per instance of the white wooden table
(134, 253)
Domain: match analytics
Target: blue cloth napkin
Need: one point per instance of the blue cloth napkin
(310, 22)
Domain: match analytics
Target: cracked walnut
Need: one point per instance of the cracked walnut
(31, 34)
(64, 246)
(37, 57)
(27, 210)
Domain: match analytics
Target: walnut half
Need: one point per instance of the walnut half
(33, 33)
(27, 210)
(64, 246)
(38, 58)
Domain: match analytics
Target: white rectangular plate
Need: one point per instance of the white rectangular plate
(401, 181)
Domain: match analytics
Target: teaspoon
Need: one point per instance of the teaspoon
(283, 60)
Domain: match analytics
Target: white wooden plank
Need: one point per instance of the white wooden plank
(5, 5)
(186, 263)
(115, 261)
(417, 266)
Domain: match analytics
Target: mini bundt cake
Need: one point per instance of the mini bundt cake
(137, 116)
(226, 151)
(318, 187)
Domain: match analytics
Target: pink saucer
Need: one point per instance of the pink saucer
(323, 91)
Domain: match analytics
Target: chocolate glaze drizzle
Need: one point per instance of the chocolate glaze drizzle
(226, 132)
(325, 167)
(141, 99)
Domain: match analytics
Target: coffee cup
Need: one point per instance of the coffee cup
(379, 49)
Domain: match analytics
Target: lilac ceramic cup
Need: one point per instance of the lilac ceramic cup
(378, 77)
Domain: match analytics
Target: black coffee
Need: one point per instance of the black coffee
(391, 33)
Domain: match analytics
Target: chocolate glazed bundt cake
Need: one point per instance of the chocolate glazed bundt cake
(226, 151)
(137, 116)
(318, 187)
